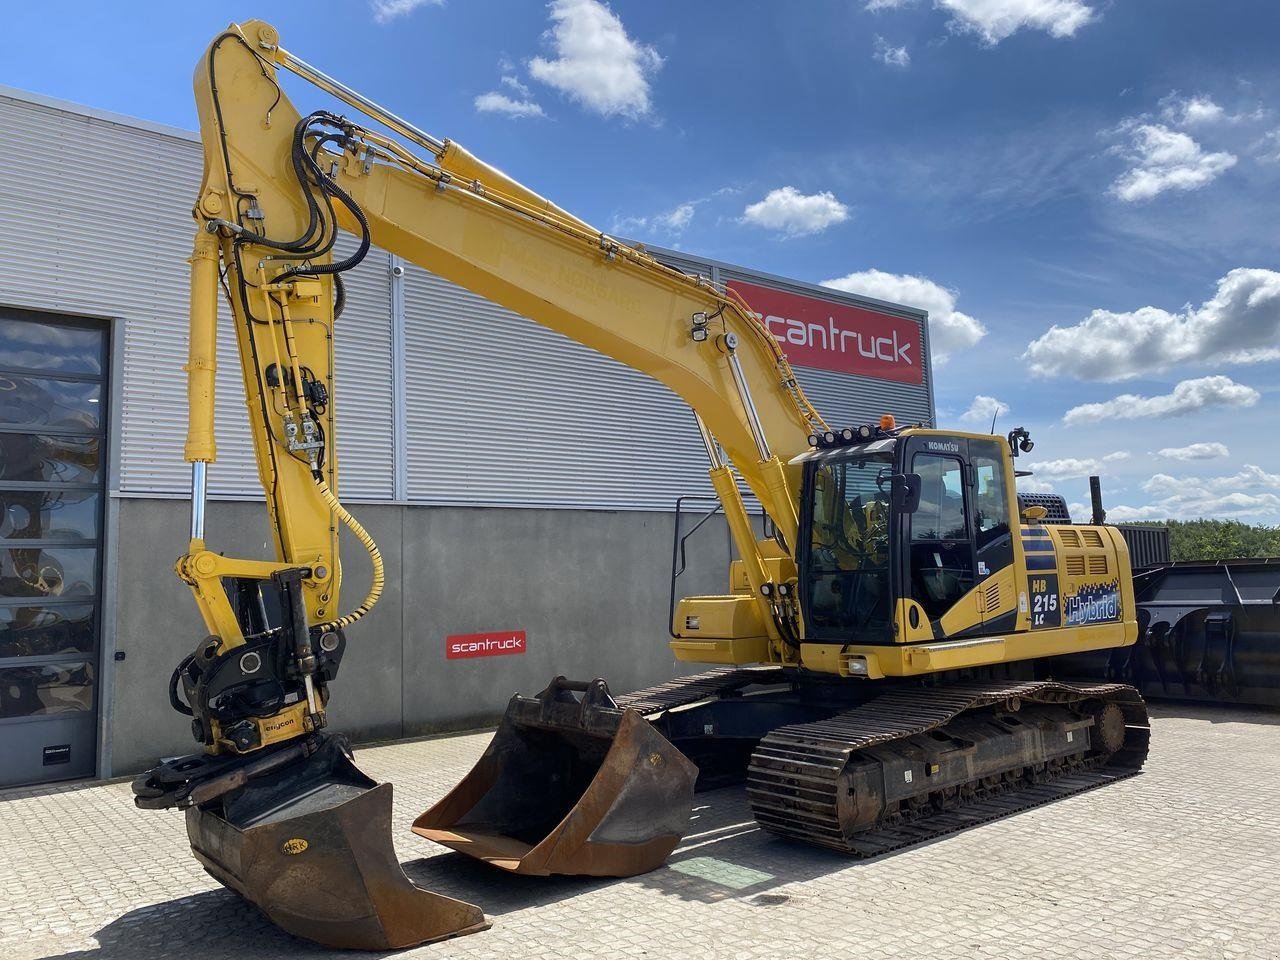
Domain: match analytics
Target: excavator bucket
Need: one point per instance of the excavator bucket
(569, 785)
(310, 845)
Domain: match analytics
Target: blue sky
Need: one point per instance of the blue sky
(1107, 168)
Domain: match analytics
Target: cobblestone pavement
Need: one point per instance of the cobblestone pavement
(1182, 861)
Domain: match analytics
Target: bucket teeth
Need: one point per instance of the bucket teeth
(571, 786)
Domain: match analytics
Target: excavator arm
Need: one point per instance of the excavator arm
(276, 189)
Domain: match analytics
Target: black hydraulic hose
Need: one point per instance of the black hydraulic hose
(174, 700)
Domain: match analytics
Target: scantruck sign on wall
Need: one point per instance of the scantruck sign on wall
(836, 336)
(460, 646)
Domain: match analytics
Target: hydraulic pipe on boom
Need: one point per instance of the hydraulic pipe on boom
(881, 646)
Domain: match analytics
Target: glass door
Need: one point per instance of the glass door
(52, 484)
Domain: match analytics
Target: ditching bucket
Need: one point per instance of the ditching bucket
(310, 845)
(573, 786)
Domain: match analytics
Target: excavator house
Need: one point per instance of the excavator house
(881, 653)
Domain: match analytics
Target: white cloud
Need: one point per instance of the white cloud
(384, 11)
(1117, 456)
(1189, 111)
(1189, 396)
(890, 55)
(673, 221)
(1032, 485)
(1249, 493)
(796, 214)
(984, 409)
(495, 102)
(1195, 451)
(1065, 469)
(596, 63)
(514, 83)
(1239, 324)
(1267, 148)
(995, 20)
(678, 218)
(1165, 159)
(949, 330)
(874, 5)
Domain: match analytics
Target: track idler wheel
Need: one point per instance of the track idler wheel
(1108, 728)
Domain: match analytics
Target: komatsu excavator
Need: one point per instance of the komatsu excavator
(880, 652)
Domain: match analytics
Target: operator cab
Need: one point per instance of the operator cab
(918, 516)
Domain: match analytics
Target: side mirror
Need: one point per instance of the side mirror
(904, 492)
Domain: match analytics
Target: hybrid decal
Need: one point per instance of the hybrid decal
(1093, 603)
(814, 332)
(461, 646)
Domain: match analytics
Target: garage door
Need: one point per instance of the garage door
(52, 469)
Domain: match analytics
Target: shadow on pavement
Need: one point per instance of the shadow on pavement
(1214, 713)
(725, 856)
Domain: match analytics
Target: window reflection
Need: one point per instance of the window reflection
(45, 631)
(33, 458)
(48, 515)
(48, 571)
(51, 688)
(35, 402)
(46, 346)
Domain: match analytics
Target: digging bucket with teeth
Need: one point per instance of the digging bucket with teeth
(570, 785)
(305, 836)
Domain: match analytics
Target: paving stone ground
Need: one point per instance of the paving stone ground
(1182, 861)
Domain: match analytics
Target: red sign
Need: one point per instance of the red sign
(835, 336)
(459, 646)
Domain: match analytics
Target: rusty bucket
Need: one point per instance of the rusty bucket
(569, 785)
(310, 845)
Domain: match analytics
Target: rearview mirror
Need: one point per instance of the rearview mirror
(904, 492)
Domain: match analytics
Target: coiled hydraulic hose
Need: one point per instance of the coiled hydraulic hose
(375, 558)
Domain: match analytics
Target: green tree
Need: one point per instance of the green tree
(1221, 539)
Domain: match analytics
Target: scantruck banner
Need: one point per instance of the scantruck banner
(836, 336)
(460, 646)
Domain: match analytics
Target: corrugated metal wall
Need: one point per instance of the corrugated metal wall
(504, 411)
(498, 410)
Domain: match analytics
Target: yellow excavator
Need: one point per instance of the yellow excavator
(880, 654)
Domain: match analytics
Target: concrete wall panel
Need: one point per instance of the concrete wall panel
(588, 587)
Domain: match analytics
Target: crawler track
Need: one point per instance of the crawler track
(797, 773)
(721, 682)
(799, 778)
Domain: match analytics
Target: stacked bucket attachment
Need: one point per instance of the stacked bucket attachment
(1209, 632)
(305, 836)
(571, 784)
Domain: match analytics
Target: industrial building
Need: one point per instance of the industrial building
(520, 486)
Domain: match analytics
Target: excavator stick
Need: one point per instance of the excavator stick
(569, 785)
(306, 837)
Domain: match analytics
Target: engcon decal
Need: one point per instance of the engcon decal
(461, 646)
(814, 332)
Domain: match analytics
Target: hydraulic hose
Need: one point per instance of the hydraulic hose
(375, 558)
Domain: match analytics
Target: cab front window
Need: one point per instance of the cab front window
(848, 570)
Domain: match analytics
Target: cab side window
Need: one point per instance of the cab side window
(942, 563)
(991, 507)
(941, 515)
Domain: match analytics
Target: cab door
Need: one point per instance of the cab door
(993, 533)
(939, 564)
